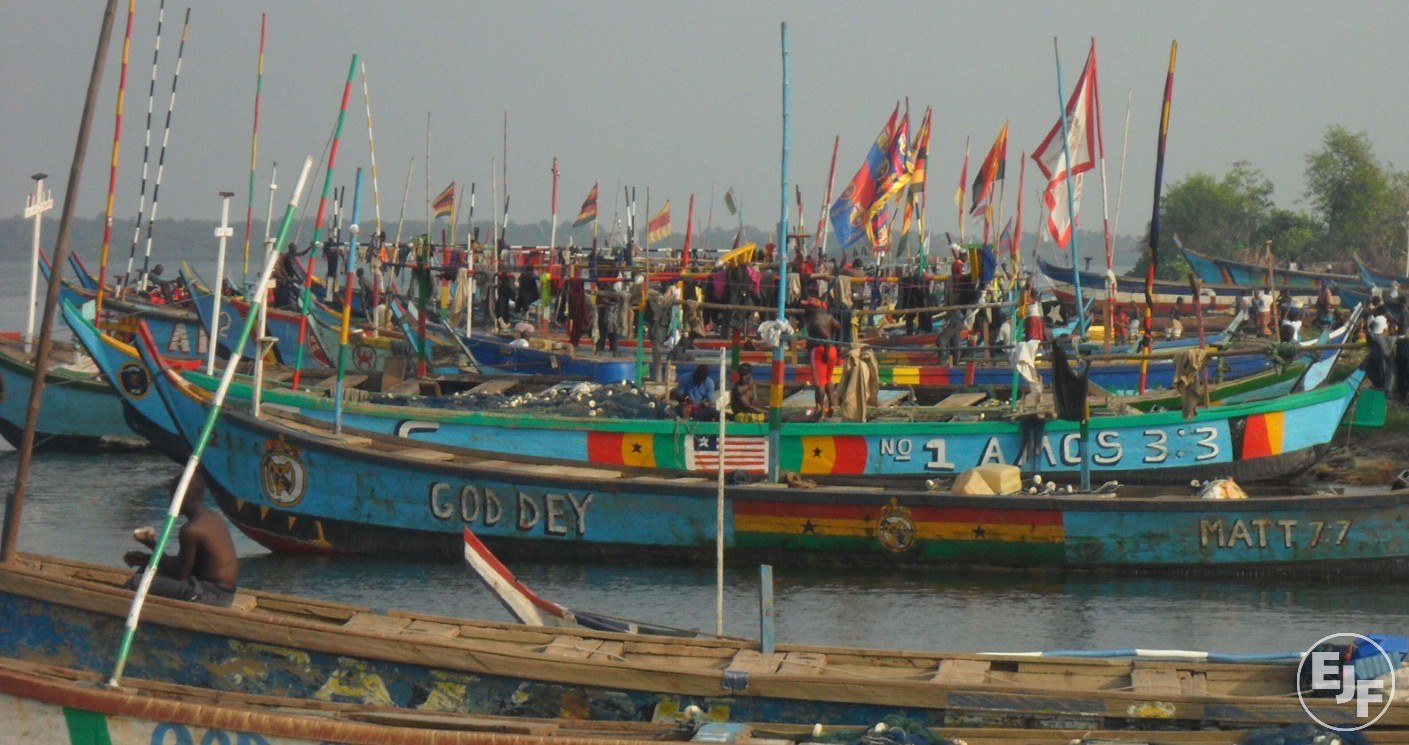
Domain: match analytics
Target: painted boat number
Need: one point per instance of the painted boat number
(1108, 449)
(558, 514)
(1261, 532)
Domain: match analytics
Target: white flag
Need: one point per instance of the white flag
(1051, 157)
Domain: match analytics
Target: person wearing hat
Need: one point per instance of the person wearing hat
(694, 396)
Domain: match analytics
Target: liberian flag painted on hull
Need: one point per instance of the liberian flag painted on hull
(741, 453)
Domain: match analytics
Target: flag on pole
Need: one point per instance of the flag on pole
(1081, 142)
(899, 166)
(852, 210)
(445, 203)
(963, 179)
(588, 213)
(922, 154)
(1005, 241)
(658, 229)
(992, 170)
(729, 202)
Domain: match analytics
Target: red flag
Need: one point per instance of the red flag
(991, 170)
(1081, 143)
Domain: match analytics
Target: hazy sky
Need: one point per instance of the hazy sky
(681, 96)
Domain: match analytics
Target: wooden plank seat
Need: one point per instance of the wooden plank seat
(962, 672)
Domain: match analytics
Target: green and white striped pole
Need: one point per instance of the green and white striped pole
(257, 299)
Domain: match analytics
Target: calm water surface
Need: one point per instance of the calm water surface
(85, 507)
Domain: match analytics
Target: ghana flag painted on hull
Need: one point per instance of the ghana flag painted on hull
(959, 532)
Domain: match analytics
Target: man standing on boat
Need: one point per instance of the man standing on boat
(822, 330)
(206, 566)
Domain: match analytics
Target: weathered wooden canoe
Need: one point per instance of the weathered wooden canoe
(44, 703)
(273, 645)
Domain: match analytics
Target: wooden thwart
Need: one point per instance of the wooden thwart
(962, 672)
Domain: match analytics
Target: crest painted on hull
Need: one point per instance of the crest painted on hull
(895, 528)
(282, 474)
(134, 380)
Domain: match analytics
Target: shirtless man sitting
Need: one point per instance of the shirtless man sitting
(206, 567)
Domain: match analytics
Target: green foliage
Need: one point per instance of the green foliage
(1356, 204)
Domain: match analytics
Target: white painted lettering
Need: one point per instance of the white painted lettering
(553, 507)
(441, 510)
(1110, 451)
(581, 509)
(529, 512)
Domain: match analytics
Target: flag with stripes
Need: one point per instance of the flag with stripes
(588, 213)
(991, 170)
(444, 204)
(658, 229)
(741, 453)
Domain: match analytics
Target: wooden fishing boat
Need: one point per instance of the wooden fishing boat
(1253, 441)
(178, 330)
(1218, 296)
(1251, 276)
(275, 645)
(44, 703)
(1372, 277)
(294, 484)
(78, 409)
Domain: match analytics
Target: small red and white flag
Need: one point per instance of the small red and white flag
(741, 453)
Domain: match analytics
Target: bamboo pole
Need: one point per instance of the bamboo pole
(14, 506)
(345, 328)
(372, 148)
(254, 156)
(775, 394)
(112, 174)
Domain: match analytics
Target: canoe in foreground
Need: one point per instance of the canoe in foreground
(42, 703)
(279, 645)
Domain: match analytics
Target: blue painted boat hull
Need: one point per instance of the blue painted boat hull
(78, 411)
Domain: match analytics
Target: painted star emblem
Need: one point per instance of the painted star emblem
(817, 452)
(809, 528)
(979, 532)
(635, 447)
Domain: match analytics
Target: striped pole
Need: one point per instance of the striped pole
(112, 170)
(346, 327)
(372, 147)
(146, 154)
(775, 393)
(306, 301)
(165, 138)
(254, 154)
(134, 613)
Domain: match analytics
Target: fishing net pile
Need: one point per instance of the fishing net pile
(624, 400)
